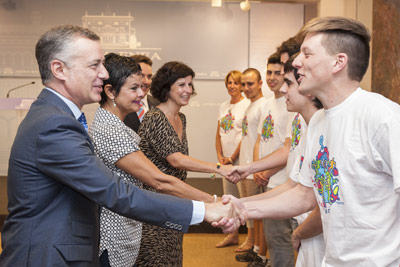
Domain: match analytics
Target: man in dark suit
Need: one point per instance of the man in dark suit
(56, 183)
(134, 119)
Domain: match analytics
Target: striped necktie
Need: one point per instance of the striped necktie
(140, 112)
(82, 121)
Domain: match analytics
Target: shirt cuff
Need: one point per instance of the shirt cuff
(199, 211)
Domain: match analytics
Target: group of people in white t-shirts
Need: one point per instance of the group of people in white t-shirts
(321, 150)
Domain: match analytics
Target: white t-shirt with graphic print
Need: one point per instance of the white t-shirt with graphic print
(230, 117)
(250, 122)
(274, 127)
(352, 161)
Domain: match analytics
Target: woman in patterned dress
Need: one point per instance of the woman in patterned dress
(118, 147)
(164, 142)
(229, 136)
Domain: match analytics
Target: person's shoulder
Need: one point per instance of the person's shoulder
(376, 104)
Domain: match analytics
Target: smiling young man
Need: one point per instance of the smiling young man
(274, 133)
(251, 85)
(351, 168)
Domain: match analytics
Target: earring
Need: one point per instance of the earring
(114, 103)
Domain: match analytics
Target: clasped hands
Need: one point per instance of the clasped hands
(234, 173)
(227, 214)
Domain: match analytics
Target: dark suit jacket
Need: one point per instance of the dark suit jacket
(55, 183)
(132, 120)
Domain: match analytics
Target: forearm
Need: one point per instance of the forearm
(289, 184)
(184, 162)
(285, 205)
(276, 159)
(235, 154)
(144, 170)
(311, 227)
(218, 145)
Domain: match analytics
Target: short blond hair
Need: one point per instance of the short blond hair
(236, 76)
(342, 35)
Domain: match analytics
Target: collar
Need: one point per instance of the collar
(74, 108)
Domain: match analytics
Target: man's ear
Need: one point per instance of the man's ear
(58, 69)
(108, 91)
(341, 61)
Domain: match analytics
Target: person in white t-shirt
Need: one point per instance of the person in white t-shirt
(229, 135)
(309, 233)
(251, 85)
(350, 168)
(274, 133)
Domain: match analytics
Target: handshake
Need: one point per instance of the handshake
(227, 214)
(235, 173)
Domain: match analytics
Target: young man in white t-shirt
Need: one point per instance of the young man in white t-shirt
(274, 133)
(351, 168)
(251, 85)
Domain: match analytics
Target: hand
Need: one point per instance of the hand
(242, 171)
(296, 241)
(226, 161)
(261, 179)
(230, 225)
(226, 171)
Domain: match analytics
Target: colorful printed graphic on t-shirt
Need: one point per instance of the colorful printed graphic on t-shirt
(268, 127)
(245, 126)
(227, 122)
(296, 132)
(326, 173)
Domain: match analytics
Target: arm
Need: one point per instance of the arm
(276, 159)
(288, 204)
(311, 227)
(235, 154)
(218, 146)
(289, 184)
(259, 178)
(139, 166)
(64, 153)
(184, 162)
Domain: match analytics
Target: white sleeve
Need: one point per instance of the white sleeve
(387, 143)
(295, 172)
(305, 177)
(199, 211)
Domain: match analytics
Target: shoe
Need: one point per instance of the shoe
(258, 262)
(229, 240)
(248, 256)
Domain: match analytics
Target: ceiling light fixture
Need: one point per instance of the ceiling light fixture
(216, 3)
(245, 5)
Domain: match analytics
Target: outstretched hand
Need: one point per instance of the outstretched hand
(238, 173)
(229, 225)
(225, 215)
(228, 171)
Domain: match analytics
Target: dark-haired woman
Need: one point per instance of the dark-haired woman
(164, 142)
(118, 147)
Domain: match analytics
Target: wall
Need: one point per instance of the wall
(360, 10)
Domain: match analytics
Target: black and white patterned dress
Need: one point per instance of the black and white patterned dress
(113, 140)
(161, 246)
